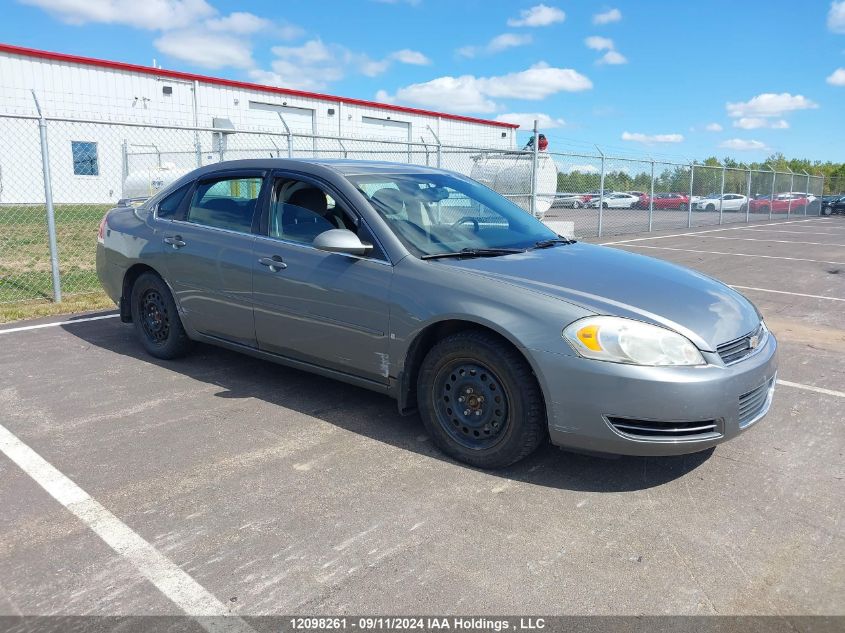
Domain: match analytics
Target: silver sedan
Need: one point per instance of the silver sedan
(434, 290)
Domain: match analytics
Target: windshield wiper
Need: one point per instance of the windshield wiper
(552, 242)
(475, 252)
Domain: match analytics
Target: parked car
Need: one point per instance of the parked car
(783, 203)
(727, 202)
(813, 203)
(643, 196)
(569, 200)
(614, 201)
(833, 204)
(668, 201)
(426, 286)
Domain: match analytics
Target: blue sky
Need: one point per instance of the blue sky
(667, 78)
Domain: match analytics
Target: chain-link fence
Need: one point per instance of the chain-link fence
(59, 176)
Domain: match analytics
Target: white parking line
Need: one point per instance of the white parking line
(793, 232)
(689, 250)
(784, 292)
(756, 239)
(798, 385)
(729, 228)
(24, 328)
(168, 578)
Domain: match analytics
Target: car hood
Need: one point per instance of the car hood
(615, 282)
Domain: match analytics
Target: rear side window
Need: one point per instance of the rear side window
(168, 207)
(226, 203)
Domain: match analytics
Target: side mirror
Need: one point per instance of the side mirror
(341, 241)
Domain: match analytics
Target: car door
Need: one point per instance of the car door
(208, 258)
(326, 309)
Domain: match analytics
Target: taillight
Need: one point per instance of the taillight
(101, 232)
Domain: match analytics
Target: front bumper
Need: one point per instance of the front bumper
(586, 399)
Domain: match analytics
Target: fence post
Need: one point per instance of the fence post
(791, 187)
(772, 199)
(287, 131)
(534, 167)
(439, 146)
(722, 195)
(807, 191)
(748, 199)
(691, 181)
(197, 143)
(48, 202)
(601, 192)
(651, 199)
(124, 150)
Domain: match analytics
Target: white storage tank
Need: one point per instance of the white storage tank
(510, 175)
(145, 183)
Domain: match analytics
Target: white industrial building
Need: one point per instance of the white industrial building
(132, 115)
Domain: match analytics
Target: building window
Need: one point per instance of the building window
(84, 158)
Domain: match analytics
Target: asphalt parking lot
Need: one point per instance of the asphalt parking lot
(278, 492)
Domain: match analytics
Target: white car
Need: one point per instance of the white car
(615, 201)
(728, 202)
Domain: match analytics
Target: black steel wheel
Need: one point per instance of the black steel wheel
(480, 401)
(473, 404)
(156, 318)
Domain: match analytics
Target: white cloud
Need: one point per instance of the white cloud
(837, 77)
(146, 14)
(525, 120)
(206, 49)
(598, 43)
(836, 17)
(468, 93)
(408, 56)
(743, 145)
(770, 105)
(713, 127)
(239, 22)
(583, 169)
(497, 44)
(612, 56)
(314, 64)
(650, 139)
(539, 15)
(754, 123)
(613, 15)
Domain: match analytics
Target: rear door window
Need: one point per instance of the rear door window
(226, 203)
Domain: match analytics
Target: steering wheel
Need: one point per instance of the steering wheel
(465, 219)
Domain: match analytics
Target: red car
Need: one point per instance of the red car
(666, 201)
(783, 203)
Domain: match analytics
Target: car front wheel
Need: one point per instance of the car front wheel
(156, 319)
(480, 401)
(827, 210)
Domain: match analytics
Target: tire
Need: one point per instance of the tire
(604, 205)
(743, 208)
(710, 208)
(827, 210)
(576, 205)
(681, 206)
(466, 369)
(156, 319)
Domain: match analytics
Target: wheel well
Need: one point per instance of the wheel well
(126, 292)
(422, 344)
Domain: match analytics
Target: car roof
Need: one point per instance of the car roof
(345, 167)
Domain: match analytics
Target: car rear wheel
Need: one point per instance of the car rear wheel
(604, 205)
(576, 205)
(156, 319)
(827, 210)
(681, 206)
(480, 401)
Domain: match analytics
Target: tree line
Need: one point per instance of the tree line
(708, 177)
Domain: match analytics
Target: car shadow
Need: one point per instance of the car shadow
(239, 376)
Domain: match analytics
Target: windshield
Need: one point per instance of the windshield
(440, 213)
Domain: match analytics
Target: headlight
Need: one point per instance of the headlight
(621, 340)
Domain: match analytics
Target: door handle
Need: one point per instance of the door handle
(176, 241)
(274, 263)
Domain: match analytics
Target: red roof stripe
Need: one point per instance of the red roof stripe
(175, 74)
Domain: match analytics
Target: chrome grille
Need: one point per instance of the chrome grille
(755, 403)
(734, 351)
(649, 429)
